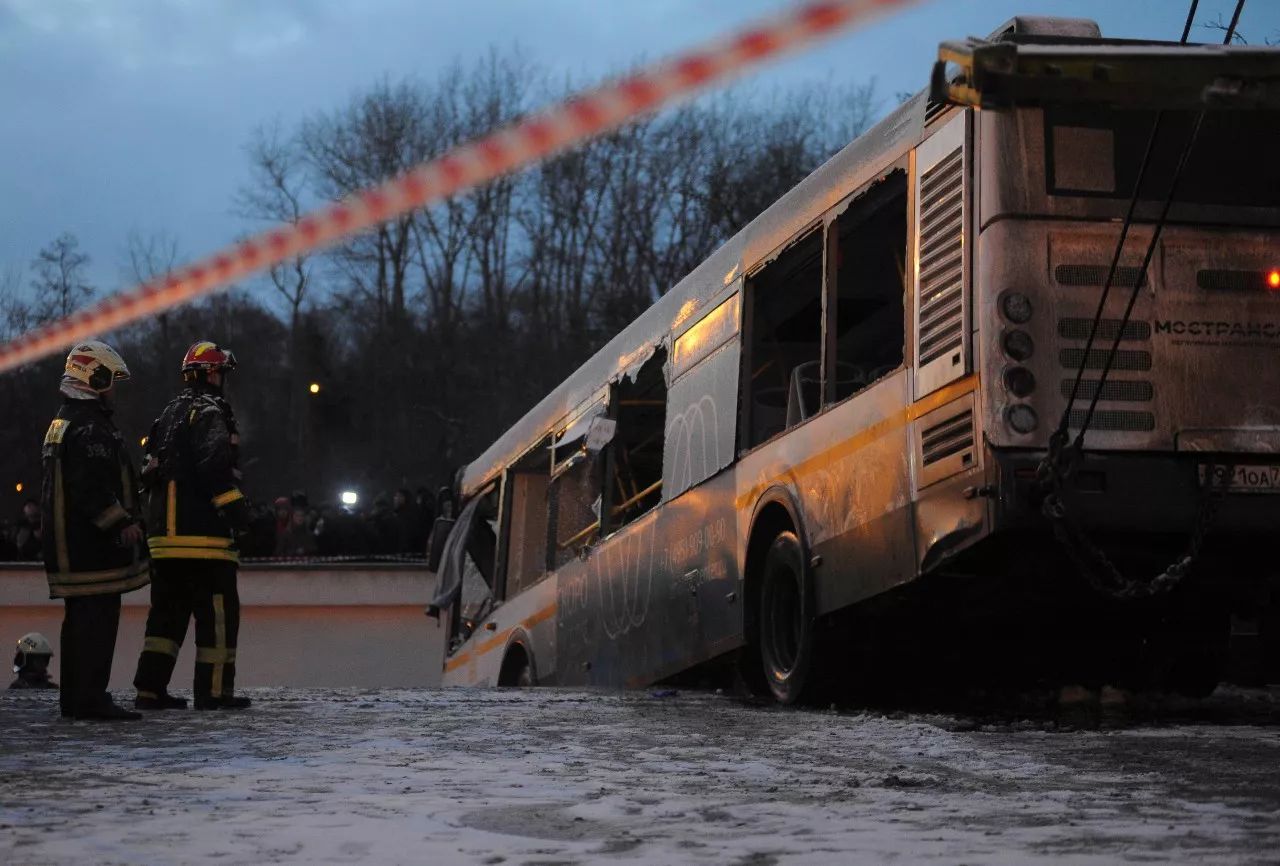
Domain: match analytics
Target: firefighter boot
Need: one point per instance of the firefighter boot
(222, 702)
(158, 701)
(107, 711)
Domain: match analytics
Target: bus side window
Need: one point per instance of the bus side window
(526, 550)
(575, 509)
(785, 340)
(633, 460)
(871, 286)
(574, 498)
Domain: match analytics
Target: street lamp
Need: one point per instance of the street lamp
(314, 388)
(349, 497)
(18, 487)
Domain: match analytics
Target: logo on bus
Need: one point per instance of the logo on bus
(1219, 333)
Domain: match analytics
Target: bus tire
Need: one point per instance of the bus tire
(786, 619)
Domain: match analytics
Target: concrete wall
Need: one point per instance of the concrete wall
(323, 625)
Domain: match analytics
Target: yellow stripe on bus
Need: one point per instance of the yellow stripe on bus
(864, 437)
(500, 639)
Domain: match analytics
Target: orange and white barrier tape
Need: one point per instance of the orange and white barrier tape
(468, 165)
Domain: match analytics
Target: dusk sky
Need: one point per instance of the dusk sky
(127, 115)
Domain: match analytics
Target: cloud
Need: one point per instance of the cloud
(157, 33)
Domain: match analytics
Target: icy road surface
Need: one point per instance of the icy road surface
(564, 777)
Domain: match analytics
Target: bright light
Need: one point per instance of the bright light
(315, 388)
(18, 487)
(143, 441)
(1273, 278)
(349, 497)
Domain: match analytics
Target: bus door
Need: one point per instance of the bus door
(464, 594)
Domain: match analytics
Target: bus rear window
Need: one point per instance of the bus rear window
(1097, 152)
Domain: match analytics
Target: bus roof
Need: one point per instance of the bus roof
(855, 164)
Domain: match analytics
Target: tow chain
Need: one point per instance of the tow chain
(1093, 563)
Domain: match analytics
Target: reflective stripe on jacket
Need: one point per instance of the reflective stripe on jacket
(89, 495)
(193, 479)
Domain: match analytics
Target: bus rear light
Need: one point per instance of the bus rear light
(1019, 381)
(1231, 280)
(1022, 418)
(1016, 307)
(1018, 345)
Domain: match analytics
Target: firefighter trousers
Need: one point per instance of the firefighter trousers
(180, 589)
(89, 626)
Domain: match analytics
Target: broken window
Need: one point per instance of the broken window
(468, 567)
(528, 483)
(784, 357)
(633, 460)
(871, 286)
(576, 484)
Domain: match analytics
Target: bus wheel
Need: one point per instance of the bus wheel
(786, 619)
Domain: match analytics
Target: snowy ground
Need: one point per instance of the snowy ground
(566, 777)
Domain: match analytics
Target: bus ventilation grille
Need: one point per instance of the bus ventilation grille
(1126, 359)
(1078, 329)
(934, 109)
(1114, 419)
(948, 437)
(1115, 390)
(942, 259)
(1095, 275)
(1232, 281)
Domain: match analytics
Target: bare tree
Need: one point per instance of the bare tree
(15, 312)
(148, 257)
(59, 283)
(277, 193)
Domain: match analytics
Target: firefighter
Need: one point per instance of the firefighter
(195, 511)
(93, 548)
(31, 663)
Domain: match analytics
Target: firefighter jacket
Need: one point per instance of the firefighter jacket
(194, 503)
(89, 495)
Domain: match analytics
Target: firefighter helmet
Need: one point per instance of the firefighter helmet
(29, 645)
(205, 356)
(96, 364)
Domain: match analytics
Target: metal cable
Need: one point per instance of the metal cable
(1151, 247)
(1060, 433)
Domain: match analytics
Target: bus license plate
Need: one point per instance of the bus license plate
(1245, 479)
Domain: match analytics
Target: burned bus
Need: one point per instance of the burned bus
(835, 445)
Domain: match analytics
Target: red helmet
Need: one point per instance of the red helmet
(206, 356)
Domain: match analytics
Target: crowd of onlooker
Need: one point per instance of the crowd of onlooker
(21, 539)
(398, 524)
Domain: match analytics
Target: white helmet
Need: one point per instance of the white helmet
(34, 643)
(96, 364)
(31, 644)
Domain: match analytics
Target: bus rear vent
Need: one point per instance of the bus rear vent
(948, 437)
(1125, 384)
(1126, 359)
(942, 259)
(1095, 275)
(1115, 390)
(1232, 281)
(1078, 329)
(1121, 420)
(933, 108)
